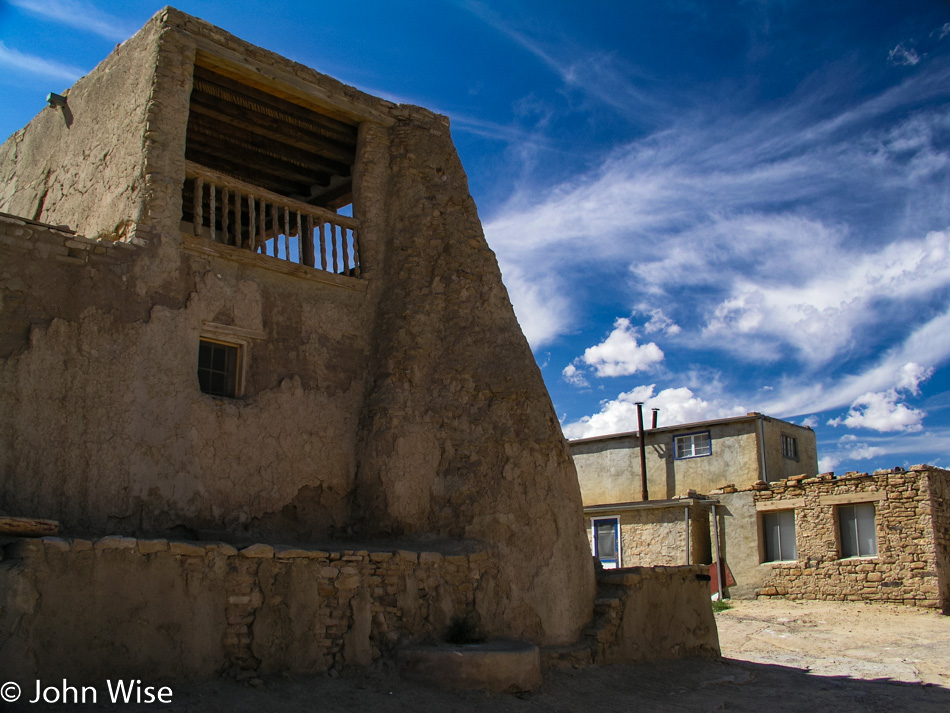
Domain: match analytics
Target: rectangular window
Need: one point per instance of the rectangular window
(858, 533)
(606, 532)
(693, 445)
(790, 447)
(218, 364)
(778, 530)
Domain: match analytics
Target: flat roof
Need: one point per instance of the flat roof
(695, 426)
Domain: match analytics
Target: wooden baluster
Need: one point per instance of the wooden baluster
(300, 247)
(356, 253)
(346, 251)
(224, 215)
(307, 243)
(286, 233)
(250, 223)
(323, 246)
(336, 255)
(212, 219)
(197, 202)
(238, 222)
(262, 228)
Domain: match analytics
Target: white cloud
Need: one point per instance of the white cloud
(810, 422)
(79, 15)
(620, 354)
(676, 406)
(659, 322)
(14, 59)
(540, 304)
(904, 56)
(819, 315)
(574, 377)
(910, 377)
(881, 412)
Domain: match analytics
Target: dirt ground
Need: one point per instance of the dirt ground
(777, 656)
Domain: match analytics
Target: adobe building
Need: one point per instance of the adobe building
(258, 363)
(671, 525)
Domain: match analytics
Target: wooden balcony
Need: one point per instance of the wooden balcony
(226, 211)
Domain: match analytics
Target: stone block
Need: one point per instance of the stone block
(115, 542)
(147, 547)
(258, 551)
(187, 549)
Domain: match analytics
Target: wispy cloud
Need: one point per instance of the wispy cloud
(903, 56)
(79, 15)
(602, 76)
(22, 62)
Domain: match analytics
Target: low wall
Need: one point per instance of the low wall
(912, 513)
(664, 613)
(161, 609)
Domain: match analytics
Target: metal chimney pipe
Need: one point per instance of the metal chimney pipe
(656, 416)
(643, 453)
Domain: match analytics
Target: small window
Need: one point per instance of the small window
(790, 447)
(606, 532)
(693, 445)
(218, 368)
(778, 530)
(858, 534)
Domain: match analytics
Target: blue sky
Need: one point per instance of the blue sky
(713, 207)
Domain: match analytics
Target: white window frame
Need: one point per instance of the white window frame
(781, 519)
(696, 449)
(594, 548)
(859, 532)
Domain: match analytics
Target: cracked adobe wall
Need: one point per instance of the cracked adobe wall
(409, 405)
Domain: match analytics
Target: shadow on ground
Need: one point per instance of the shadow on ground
(690, 685)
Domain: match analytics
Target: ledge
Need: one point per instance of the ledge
(201, 246)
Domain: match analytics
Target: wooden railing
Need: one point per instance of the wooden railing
(230, 212)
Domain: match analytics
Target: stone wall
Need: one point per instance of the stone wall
(657, 535)
(164, 609)
(910, 506)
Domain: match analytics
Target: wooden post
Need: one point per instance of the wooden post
(198, 200)
(212, 218)
(323, 246)
(336, 257)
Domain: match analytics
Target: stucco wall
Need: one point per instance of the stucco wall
(609, 470)
(409, 404)
(778, 466)
(739, 543)
(84, 167)
(665, 614)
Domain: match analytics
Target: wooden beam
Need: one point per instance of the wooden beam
(266, 103)
(266, 146)
(204, 138)
(27, 526)
(267, 78)
(237, 116)
(262, 179)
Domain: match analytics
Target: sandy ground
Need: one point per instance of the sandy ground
(777, 656)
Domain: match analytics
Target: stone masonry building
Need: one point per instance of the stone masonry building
(883, 536)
